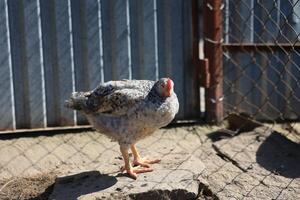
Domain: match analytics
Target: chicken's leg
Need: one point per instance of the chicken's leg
(138, 161)
(132, 171)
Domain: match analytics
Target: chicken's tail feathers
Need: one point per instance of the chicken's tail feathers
(77, 100)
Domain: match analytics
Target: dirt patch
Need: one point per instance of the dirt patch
(38, 187)
(204, 193)
(164, 195)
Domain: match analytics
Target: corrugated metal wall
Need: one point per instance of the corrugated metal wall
(50, 48)
(265, 84)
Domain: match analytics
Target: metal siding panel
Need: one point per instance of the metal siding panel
(34, 64)
(231, 68)
(240, 79)
(266, 30)
(150, 68)
(143, 43)
(164, 38)
(81, 43)
(271, 71)
(294, 95)
(93, 43)
(261, 35)
(241, 23)
(290, 23)
(234, 69)
(177, 65)
(50, 62)
(136, 27)
(287, 85)
(6, 103)
(109, 43)
(79, 31)
(266, 22)
(115, 40)
(268, 74)
(86, 47)
(283, 67)
(100, 25)
(175, 54)
(259, 96)
(170, 47)
(245, 27)
(64, 60)
(247, 81)
(229, 84)
(273, 77)
(120, 22)
(191, 84)
(19, 63)
(57, 61)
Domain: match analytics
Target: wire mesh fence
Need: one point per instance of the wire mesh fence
(261, 59)
(253, 55)
(262, 169)
(254, 50)
(42, 158)
(260, 80)
(245, 166)
(50, 49)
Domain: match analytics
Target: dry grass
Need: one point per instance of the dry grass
(37, 187)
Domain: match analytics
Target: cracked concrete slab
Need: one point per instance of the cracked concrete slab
(259, 164)
(87, 164)
(197, 162)
(167, 180)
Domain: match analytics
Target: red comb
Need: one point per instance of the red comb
(169, 84)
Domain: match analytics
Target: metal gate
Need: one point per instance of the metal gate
(252, 48)
(50, 48)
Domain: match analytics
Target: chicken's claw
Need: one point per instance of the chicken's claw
(144, 162)
(133, 171)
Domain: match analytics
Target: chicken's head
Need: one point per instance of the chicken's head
(165, 87)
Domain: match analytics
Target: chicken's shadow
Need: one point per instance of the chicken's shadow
(72, 187)
(280, 156)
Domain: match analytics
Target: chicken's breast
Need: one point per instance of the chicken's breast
(127, 110)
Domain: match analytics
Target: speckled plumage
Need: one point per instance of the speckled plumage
(126, 110)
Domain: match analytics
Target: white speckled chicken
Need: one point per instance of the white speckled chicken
(127, 111)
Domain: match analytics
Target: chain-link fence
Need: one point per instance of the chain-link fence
(252, 79)
(261, 58)
(253, 76)
(253, 51)
(49, 49)
(82, 162)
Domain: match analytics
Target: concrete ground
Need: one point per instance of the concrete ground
(198, 162)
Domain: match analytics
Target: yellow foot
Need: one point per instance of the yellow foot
(144, 162)
(133, 171)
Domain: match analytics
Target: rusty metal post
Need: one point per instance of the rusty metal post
(212, 24)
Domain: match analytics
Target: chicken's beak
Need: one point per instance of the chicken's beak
(169, 94)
